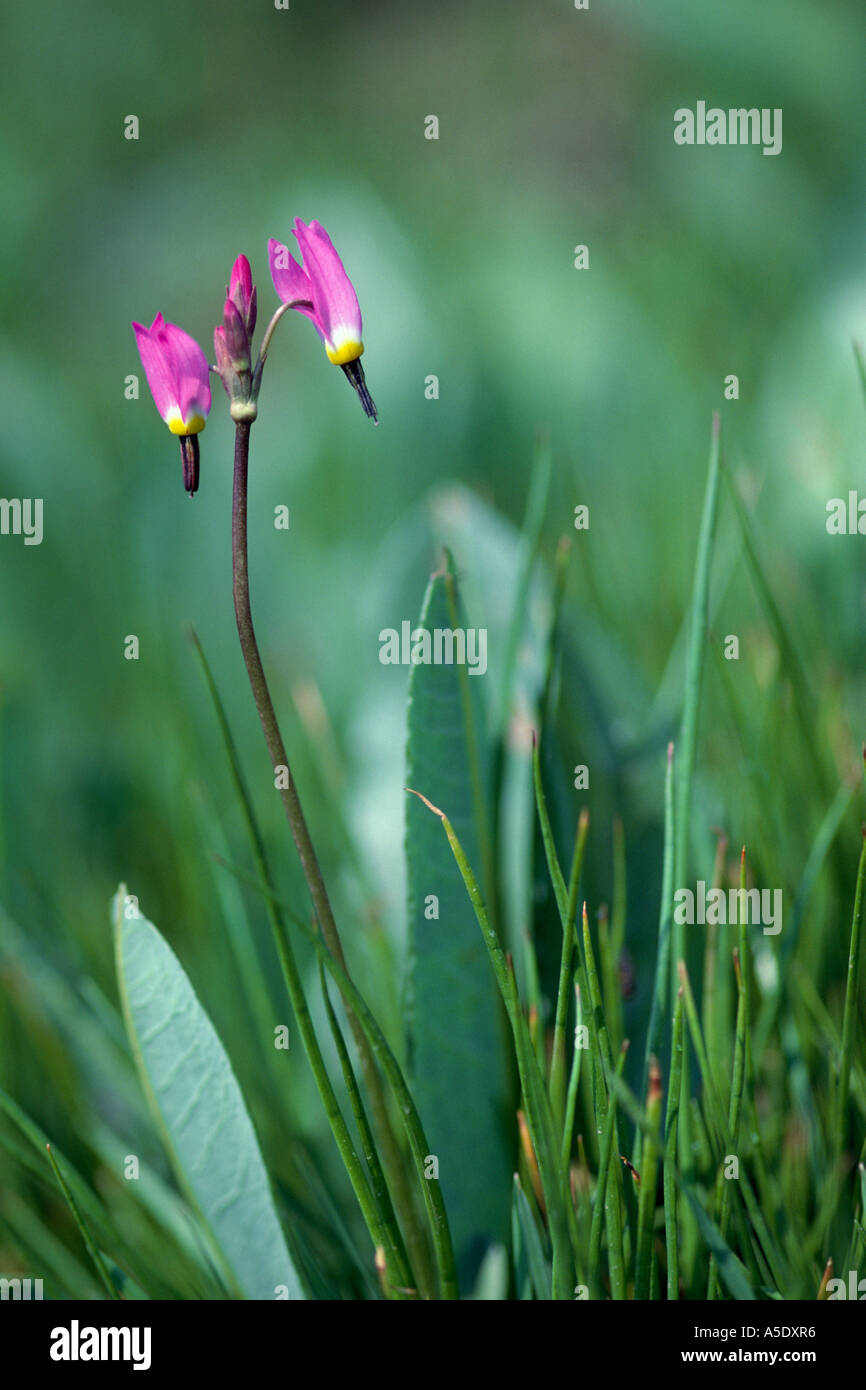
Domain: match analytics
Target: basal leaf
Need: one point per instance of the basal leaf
(201, 1111)
(455, 1031)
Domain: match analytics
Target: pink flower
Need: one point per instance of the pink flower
(177, 374)
(321, 290)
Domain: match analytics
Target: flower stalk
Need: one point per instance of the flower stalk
(392, 1158)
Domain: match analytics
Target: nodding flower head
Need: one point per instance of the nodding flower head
(177, 374)
(321, 290)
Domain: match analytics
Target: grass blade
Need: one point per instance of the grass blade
(694, 679)
(539, 1266)
(573, 1081)
(92, 1251)
(647, 1198)
(849, 1017)
(670, 1154)
(607, 1156)
(655, 1031)
(557, 1062)
(396, 1261)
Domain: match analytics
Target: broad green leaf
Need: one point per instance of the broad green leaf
(456, 1037)
(201, 1111)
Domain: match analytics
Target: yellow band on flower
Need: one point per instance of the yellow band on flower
(348, 352)
(194, 425)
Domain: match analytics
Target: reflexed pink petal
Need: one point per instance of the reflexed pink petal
(157, 367)
(292, 283)
(333, 293)
(290, 280)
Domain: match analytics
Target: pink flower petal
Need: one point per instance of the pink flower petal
(290, 280)
(157, 368)
(190, 368)
(334, 297)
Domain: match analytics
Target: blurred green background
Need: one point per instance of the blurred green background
(555, 128)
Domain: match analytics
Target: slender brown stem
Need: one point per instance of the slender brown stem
(419, 1253)
(261, 694)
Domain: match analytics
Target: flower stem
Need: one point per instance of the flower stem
(266, 341)
(419, 1254)
(261, 693)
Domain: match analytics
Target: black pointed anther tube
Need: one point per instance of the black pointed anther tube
(355, 372)
(189, 457)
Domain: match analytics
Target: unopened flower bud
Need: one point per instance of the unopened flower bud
(232, 349)
(242, 292)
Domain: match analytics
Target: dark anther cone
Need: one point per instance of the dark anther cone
(355, 372)
(189, 458)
